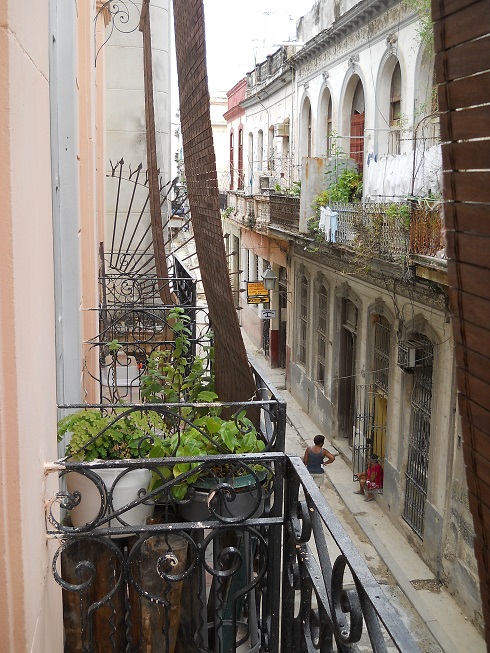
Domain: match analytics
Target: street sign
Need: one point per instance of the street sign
(268, 314)
(256, 293)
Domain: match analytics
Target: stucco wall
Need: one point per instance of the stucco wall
(125, 112)
(31, 617)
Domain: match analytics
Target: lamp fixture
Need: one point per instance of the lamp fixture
(269, 278)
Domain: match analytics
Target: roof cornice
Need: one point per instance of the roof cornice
(351, 21)
(267, 89)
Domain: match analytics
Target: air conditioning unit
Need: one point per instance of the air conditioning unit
(264, 183)
(410, 355)
(281, 129)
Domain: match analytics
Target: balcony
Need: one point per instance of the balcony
(385, 231)
(228, 575)
(262, 212)
(285, 213)
(214, 548)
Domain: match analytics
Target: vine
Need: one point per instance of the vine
(425, 30)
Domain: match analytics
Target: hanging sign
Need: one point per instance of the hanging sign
(268, 314)
(256, 292)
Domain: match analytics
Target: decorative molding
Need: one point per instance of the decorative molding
(378, 306)
(391, 42)
(346, 36)
(343, 290)
(353, 60)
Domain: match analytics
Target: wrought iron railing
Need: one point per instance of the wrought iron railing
(116, 359)
(265, 210)
(284, 212)
(388, 231)
(226, 568)
(426, 230)
(378, 229)
(146, 289)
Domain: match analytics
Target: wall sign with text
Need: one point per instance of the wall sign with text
(256, 293)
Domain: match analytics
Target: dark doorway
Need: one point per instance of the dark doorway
(283, 302)
(347, 367)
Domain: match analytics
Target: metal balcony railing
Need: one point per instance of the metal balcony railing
(263, 211)
(373, 228)
(226, 568)
(388, 231)
(185, 528)
(116, 359)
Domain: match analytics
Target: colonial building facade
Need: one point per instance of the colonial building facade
(360, 317)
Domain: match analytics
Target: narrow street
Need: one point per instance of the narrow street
(426, 608)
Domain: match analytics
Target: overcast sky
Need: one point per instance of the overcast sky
(240, 33)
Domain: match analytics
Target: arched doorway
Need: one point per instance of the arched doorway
(347, 369)
(357, 126)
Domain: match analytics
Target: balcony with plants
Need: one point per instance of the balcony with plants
(183, 524)
(388, 231)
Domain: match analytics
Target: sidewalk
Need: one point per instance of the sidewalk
(384, 548)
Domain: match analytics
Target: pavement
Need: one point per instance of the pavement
(428, 609)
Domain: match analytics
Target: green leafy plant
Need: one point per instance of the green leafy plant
(209, 434)
(175, 376)
(115, 436)
(425, 30)
(348, 187)
(172, 374)
(322, 199)
(399, 213)
(250, 220)
(293, 191)
(227, 212)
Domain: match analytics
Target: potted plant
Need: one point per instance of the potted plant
(174, 376)
(96, 436)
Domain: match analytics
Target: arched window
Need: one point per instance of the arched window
(309, 131)
(321, 331)
(232, 161)
(357, 126)
(325, 123)
(303, 320)
(260, 149)
(395, 110)
(250, 172)
(306, 131)
(240, 159)
(270, 145)
(416, 475)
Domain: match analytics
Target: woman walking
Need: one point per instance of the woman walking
(316, 457)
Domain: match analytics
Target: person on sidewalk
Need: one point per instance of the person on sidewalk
(315, 457)
(371, 479)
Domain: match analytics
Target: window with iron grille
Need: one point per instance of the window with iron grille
(303, 320)
(321, 329)
(381, 367)
(419, 441)
(232, 161)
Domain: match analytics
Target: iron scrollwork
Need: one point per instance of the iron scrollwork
(122, 15)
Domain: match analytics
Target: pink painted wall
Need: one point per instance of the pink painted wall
(30, 607)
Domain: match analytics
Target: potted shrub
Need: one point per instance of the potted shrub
(97, 436)
(173, 376)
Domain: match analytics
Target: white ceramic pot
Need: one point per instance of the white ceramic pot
(125, 491)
